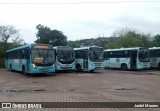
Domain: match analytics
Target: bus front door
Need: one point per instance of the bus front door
(133, 59)
(85, 59)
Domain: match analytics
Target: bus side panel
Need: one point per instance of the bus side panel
(154, 62)
(105, 62)
(117, 62)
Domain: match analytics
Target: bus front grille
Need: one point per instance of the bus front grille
(97, 64)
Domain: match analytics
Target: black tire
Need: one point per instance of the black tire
(159, 66)
(24, 71)
(124, 67)
(91, 71)
(79, 68)
(10, 68)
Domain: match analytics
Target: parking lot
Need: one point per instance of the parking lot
(100, 86)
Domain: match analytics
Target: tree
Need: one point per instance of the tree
(17, 41)
(74, 44)
(147, 40)
(156, 40)
(131, 38)
(57, 38)
(9, 32)
(43, 34)
(127, 38)
(6, 32)
(9, 38)
(47, 36)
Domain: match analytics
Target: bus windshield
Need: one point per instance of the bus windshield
(144, 55)
(65, 56)
(44, 56)
(96, 55)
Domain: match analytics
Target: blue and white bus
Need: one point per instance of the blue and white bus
(127, 58)
(89, 58)
(65, 59)
(154, 53)
(35, 58)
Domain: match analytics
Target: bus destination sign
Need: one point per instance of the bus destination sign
(41, 47)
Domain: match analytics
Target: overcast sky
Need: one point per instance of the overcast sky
(79, 19)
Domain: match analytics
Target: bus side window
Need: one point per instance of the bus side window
(158, 53)
(27, 53)
(78, 54)
(85, 54)
(106, 54)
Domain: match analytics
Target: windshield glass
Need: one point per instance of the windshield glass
(144, 55)
(43, 56)
(96, 55)
(65, 56)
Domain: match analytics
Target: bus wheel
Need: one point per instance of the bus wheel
(79, 68)
(124, 67)
(10, 68)
(91, 71)
(159, 66)
(24, 70)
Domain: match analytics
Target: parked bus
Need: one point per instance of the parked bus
(35, 58)
(65, 59)
(88, 58)
(127, 58)
(155, 57)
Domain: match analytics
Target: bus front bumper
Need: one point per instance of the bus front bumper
(42, 70)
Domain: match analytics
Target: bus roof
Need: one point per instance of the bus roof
(154, 48)
(21, 47)
(81, 48)
(132, 48)
(24, 46)
(56, 47)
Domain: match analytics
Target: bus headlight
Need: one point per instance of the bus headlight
(53, 65)
(33, 65)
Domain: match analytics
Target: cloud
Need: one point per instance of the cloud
(81, 20)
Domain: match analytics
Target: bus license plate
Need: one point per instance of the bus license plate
(44, 70)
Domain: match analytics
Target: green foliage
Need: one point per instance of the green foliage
(6, 33)
(43, 34)
(47, 36)
(58, 38)
(131, 38)
(100, 41)
(74, 44)
(156, 40)
(147, 40)
(3, 50)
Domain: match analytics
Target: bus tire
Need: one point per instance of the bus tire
(10, 68)
(124, 67)
(91, 71)
(159, 66)
(79, 68)
(24, 70)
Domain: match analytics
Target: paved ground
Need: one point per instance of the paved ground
(101, 86)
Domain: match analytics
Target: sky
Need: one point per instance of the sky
(80, 19)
